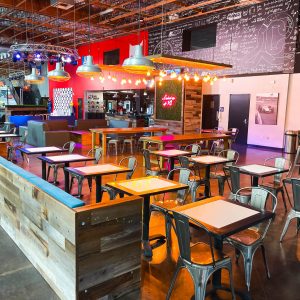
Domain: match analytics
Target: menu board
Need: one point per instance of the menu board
(259, 38)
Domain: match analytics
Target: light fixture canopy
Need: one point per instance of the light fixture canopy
(59, 74)
(33, 78)
(138, 62)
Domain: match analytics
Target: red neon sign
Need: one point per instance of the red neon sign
(168, 100)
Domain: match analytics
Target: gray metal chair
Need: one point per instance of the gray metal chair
(131, 163)
(223, 175)
(233, 136)
(181, 196)
(249, 240)
(80, 178)
(295, 211)
(70, 146)
(287, 180)
(194, 181)
(150, 169)
(245, 194)
(201, 260)
(15, 144)
(276, 186)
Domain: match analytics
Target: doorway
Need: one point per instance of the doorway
(239, 116)
(210, 111)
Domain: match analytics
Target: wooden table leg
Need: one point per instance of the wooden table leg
(67, 182)
(93, 141)
(98, 188)
(103, 143)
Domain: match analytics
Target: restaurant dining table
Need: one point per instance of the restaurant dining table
(259, 171)
(9, 135)
(97, 171)
(122, 131)
(42, 150)
(223, 218)
(171, 155)
(65, 159)
(208, 161)
(146, 187)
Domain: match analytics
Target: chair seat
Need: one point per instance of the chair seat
(218, 174)
(165, 205)
(247, 237)
(272, 185)
(201, 254)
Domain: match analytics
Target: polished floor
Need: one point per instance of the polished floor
(19, 279)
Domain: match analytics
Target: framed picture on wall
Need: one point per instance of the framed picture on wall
(266, 109)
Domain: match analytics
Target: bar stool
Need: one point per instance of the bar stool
(130, 142)
(114, 143)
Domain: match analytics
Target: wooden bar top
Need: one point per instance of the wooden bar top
(129, 130)
(185, 137)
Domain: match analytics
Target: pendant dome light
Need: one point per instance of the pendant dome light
(138, 62)
(88, 69)
(33, 78)
(59, 74)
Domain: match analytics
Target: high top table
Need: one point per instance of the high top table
(259, 171)
(146, 187)
(223, 218)
(122, 131)
(65, 159)
(208, 161)
(42, 150)
(98, 171)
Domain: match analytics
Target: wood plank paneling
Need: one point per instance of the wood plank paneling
(87, 253)
(192, 108)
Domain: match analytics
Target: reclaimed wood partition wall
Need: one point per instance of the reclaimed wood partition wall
(85, 253)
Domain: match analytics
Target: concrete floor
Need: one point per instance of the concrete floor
(20, 280)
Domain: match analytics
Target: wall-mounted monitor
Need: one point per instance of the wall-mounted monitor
(199, 38)
(111, 57)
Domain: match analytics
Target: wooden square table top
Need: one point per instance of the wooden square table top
(171, 153)
(150, 185)
(210, 160)
(101, 169)
(57, 159)
(128, 130)
(40, 150)
(224, 217)
(260, 170)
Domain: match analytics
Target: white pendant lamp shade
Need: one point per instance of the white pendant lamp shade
(138, 62)
(88, 69)
(58, 74)
(33, 78)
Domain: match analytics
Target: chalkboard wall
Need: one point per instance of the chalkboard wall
(255, 39)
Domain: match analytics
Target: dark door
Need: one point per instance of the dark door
(239, 116)
(210, 112)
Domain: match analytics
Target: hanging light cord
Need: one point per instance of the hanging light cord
(74, 29)
(89, 36)
(139, 23)
(162, 27)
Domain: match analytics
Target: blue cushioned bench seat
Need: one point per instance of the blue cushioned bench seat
(47, 187)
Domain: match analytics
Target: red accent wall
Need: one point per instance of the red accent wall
(80, 85)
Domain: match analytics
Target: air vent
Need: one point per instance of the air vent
(62, 4)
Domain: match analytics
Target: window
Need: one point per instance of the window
(111, 57)
(199, 38)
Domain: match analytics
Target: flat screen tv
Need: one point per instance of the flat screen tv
(111, 57)
(199, 38)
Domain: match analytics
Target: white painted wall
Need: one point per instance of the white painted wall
(262, 135)
(292, 121)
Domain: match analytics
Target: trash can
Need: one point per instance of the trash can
(290, 140)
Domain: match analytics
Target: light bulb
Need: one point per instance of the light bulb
(215, 78)
(187, 77)
(92, 78)
(129, 81)
(109, 76)
(196, 77)
(160, 83)
(148, 73)
(173, 75)
(179, 78)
